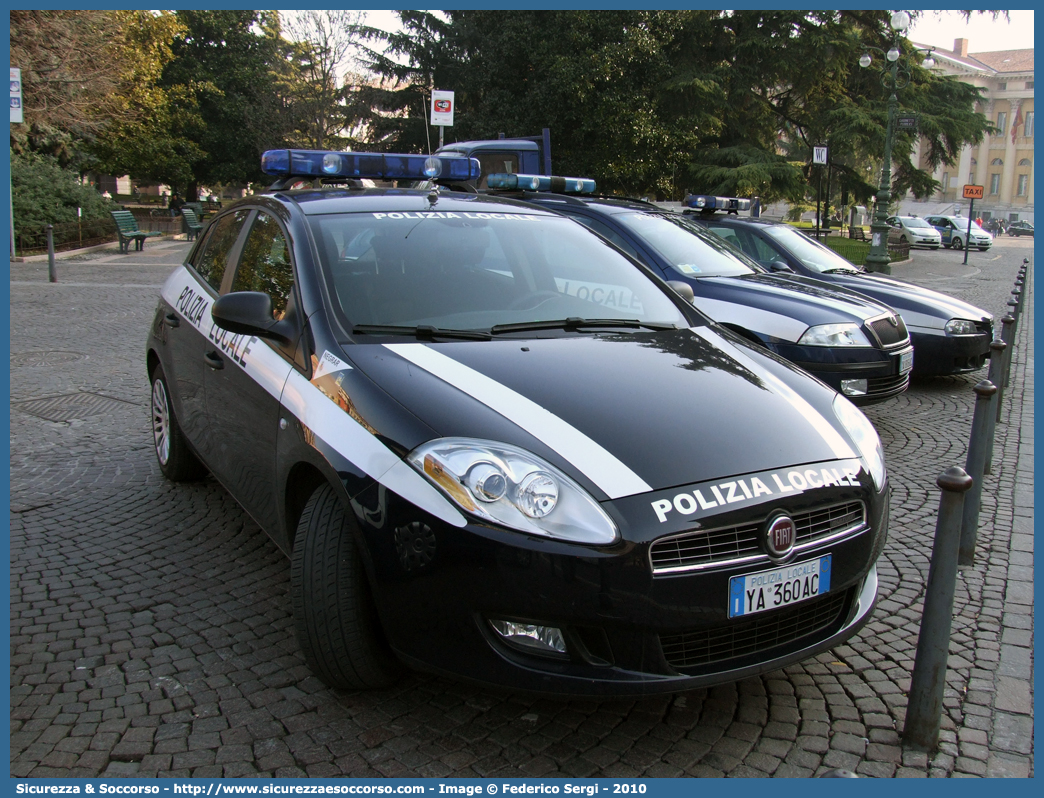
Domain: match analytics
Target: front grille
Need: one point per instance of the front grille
(759, 634)
(876, 386)
(691, 551)
(984, 326)
(888, 334)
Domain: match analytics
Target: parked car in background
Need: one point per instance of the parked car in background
(856, 345)
(954, 232)
(1020, 228)
(949, 336)
(915, 231)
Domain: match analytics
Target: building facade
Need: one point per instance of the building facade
(1003, 162)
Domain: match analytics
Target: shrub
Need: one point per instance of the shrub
(45, 193)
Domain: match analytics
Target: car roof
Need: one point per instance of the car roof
(313, 201)
(606, 205)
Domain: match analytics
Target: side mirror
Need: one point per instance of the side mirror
(779, 266)
(683, 289)
(247, 313)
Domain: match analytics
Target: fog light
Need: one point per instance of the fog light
(537, 639)
(853, 387)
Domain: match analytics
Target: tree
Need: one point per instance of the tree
(319, 80)
(70, 73)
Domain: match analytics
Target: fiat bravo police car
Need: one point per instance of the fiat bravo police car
(494, 447)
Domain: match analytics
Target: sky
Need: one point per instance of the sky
(939, 28)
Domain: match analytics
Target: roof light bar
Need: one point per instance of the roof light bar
(555, 184)
(705, 202)
(370, 165)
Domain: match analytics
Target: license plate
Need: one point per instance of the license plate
(905, 362)
(779, 587)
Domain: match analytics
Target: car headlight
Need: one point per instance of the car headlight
(863, 435)
(834, 335)
(961, 327)
(510, 487)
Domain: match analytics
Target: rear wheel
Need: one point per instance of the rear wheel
(334, 614)
(176, 459)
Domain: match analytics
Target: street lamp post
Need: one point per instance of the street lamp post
(895, 75)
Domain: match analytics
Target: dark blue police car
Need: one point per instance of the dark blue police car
(495, 447)
(854, 344)
(949, 336)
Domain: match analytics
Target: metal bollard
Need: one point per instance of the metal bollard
(1016, 294)
(997, 348)
(1008, 336)
(974, 466)
(1013, 311)
(52, 275)
(924, 709)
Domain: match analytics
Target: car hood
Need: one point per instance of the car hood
(920, 307)
(623, 414)
(782, 306)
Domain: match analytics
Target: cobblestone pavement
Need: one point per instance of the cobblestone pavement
(151, 631)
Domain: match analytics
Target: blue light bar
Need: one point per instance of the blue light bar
(369, 165)
(705, 202)
(559, 185)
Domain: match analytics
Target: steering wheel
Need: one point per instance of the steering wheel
(533, 300)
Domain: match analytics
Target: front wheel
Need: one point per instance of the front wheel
(334, 614)
(176, 459)
(903, 241)
(957, 243)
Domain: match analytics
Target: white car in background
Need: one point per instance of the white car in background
(915, 231)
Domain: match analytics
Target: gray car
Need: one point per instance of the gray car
(915, 231)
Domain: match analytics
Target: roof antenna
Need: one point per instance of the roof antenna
(427, 132)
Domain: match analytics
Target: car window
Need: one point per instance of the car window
(605, 230)
(211, 258)
(474, 271)
(752, 244)
(812, 254)
(265, 264)
(688, 247)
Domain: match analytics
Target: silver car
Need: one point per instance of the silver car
(915, 231)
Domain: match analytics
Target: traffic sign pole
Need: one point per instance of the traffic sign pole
(971, 192)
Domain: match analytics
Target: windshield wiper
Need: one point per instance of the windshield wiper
(576, 323)
(420, 331)
(843, 270)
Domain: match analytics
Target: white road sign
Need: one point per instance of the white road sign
(442, 108)
(16, 95)
(819, 155)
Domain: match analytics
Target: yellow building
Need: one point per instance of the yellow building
(1003, 162)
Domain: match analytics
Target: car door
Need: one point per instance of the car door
(189, 320)
(943, 226)
(245, 374)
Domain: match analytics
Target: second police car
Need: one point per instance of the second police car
(496, 448)
(850, 341)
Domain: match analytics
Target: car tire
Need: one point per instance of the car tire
(956, 242)
(335, 617)
(176, 460)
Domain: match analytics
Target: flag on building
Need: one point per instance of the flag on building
(1016, 122)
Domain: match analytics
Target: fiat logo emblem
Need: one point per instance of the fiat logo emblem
(779, 537)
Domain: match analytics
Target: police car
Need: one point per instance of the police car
(949, 336)
(856, 345)
(495, 447)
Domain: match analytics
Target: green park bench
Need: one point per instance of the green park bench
(857, 233)
(127, 228)
(191, 222)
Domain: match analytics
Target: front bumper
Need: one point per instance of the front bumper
(937, 354)
(628, 632)
(834, 365)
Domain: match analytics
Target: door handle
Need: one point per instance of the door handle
(214, 360)
(171, 320)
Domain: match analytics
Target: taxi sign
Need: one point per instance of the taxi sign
(973, 192)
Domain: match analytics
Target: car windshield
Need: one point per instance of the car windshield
(812, 254)
(910, 221)
(962, 224)
(690, 249)
(475, 271)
